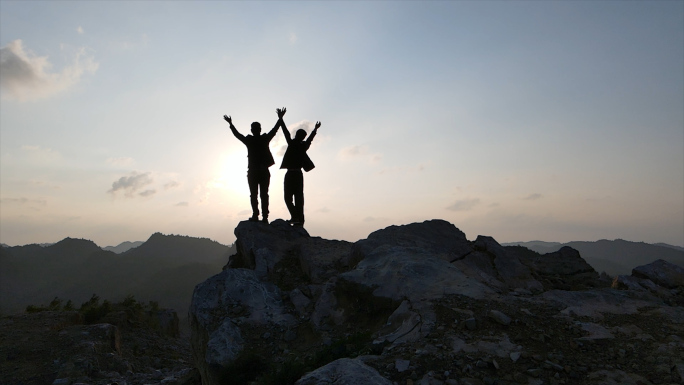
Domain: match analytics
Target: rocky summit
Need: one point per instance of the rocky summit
(421, 304)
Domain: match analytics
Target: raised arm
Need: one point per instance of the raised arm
(313, 134)
(233, 129)
(281, 122)
(274, 130)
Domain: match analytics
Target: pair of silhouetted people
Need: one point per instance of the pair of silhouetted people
(260, 159)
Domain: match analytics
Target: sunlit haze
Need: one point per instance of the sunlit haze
(554, 121)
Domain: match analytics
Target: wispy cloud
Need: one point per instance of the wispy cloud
(171, 185)
(182, 204)
(359, 152)
(132, 184)
(293, 38)
(24, 201)
(148, 193)
(80, 30)
(532, 197)
(464, 204)
(120, 162)
(25, 76)
(41, 155)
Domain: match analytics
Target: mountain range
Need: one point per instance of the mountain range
(616, 257)
(165, 268)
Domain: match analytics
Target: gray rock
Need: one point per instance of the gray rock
(436, 237)
(399, 273)
(499, 317)
(260, 246)
(595, 332)
(403, 325)
(509, 268)
(595, 302)
(320, 258)
(300, 301)
(216, 338)
(663, 273)
(402, 365)
(471, 323)
(344, 371)
(565, 265)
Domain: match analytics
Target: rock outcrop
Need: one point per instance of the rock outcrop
(420, 304)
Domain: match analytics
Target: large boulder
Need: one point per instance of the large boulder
(508, 267)
(564, 268)
(411, 273)
(223, 305)
(663, 273)
(435, 237)
(344, 371)
(261, 246)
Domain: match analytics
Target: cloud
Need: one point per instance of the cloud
(148, 193)
(131, 184)
(532, 197)
(464, 204)
(171, 184)
(369, 219)
(359, 152)
(293, 37)
(182, 204)
(120, 162)
(25, 76)
(323, 210)
(24, 201)
(79, 30)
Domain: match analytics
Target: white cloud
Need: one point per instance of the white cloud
(132, 183)
(464, 204)
(79, 30)
(293, 37)
(25, 76)
(182, 204)
(120, 162)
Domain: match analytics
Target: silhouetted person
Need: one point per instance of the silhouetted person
(259, 160)
(294, 161)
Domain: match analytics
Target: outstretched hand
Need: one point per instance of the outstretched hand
(228, 119)
(318, 124)
(281, 112)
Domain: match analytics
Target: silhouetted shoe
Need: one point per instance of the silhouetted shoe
(254, 218)
(265, 220)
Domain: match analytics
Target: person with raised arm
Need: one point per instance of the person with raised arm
(259, 159)
(294, 160)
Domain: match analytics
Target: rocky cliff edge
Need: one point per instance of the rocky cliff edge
(421, 304)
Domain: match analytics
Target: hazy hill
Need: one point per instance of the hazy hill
(123, 247)
(614, 257)
(165, 268)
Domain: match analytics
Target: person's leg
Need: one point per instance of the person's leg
(253, 182)
(289, 194)
(264, 182)
(298, 186)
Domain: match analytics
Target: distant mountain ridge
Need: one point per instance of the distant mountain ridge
(123, 247)
(164, 268)
(615, 257)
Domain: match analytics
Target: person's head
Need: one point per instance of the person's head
(256, 128)
(300, 134)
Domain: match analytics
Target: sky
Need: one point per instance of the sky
(554, 121)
